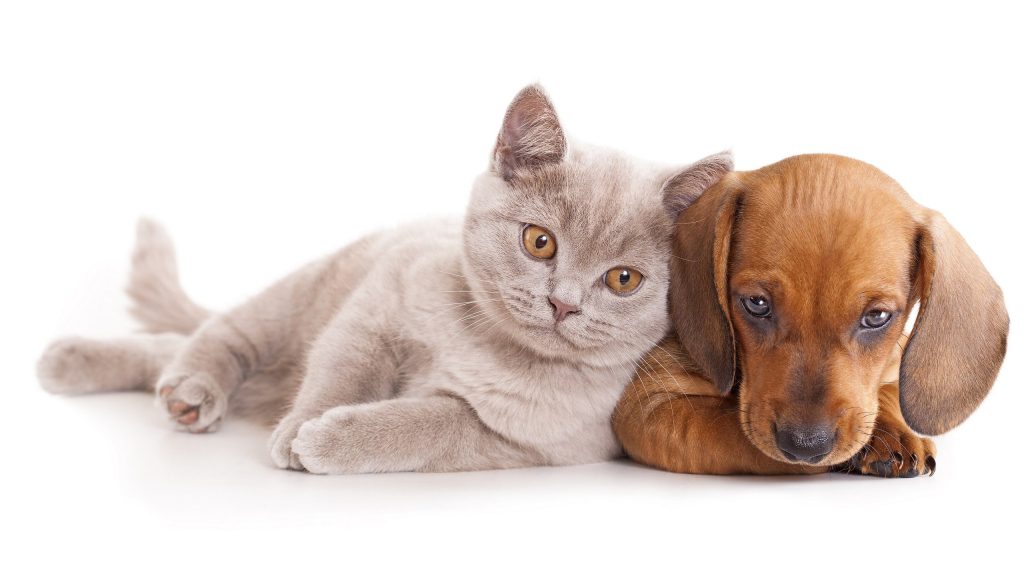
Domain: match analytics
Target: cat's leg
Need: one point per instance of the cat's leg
(433, 434)
(194, 388)
(264, 334)
(352, 361)
(84, 365)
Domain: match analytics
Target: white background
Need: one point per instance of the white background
(264, 135)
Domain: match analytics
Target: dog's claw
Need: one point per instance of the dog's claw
(895, 451)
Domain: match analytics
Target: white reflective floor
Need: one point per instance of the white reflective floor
(103, 482)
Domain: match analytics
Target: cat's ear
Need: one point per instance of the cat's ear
(530, 135)
(685, 186)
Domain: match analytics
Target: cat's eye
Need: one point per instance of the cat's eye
(538, 242)
(623, 280)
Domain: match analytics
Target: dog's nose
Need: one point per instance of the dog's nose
(807, 443)
(562, 309)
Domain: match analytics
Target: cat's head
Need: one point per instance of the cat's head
(568, 244)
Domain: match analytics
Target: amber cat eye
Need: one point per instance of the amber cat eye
(623, 280)
(538, 242)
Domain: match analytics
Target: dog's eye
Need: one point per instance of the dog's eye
(757, 306)
(873, 319)
(538, 242)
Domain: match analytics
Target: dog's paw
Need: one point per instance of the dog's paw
(281, 441)
(895, 451)
(195, 401)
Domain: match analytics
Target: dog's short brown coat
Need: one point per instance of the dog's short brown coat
(826, 238)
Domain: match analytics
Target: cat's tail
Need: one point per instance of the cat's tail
(158, 301)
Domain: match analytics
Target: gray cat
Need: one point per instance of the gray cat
(499, 342)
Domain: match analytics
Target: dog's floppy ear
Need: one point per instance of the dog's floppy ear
(959, 340)
(700, 301)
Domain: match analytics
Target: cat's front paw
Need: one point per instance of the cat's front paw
(328, 444)
(281, 441)
(195, 401)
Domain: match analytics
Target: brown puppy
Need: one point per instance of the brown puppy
(791, 288)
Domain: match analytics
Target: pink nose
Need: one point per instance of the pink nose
(561, 308)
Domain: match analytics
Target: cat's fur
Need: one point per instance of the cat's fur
(434, 346)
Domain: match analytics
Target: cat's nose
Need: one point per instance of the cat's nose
(562, 309)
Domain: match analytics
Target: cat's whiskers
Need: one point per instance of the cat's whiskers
(471, 316)
(643, 383)
(638, 373)
(453, 305)
(689, 222)
(487, 327)
(682, 368)
(495, 324)
(599, 331)
(664, 387)
(681, 258)
(589, 342)
(468, 279)
(476, 322)
(600, 322)
(640, 369)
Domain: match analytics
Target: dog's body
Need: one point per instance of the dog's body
(799, 277)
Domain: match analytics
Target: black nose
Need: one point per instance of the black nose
(807, 443)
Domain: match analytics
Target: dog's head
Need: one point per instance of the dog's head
(797, 280)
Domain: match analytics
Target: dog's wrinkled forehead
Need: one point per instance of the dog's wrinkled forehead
(824, 210)
(604, 205)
